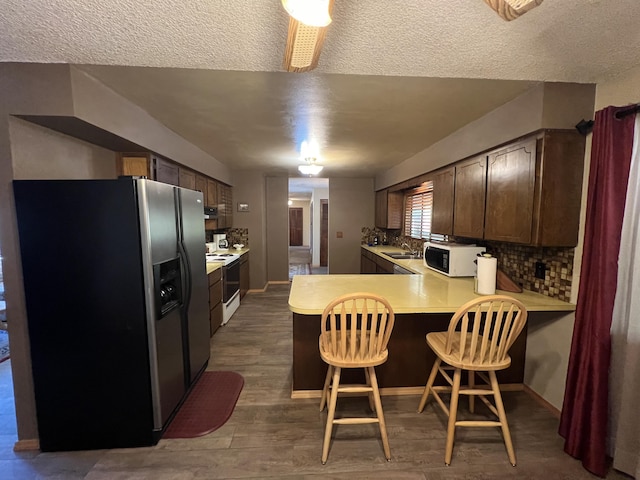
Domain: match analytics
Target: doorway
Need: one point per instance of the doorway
(307, 197)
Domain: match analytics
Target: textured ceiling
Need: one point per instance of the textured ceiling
(220, 82)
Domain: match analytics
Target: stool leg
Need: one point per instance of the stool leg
(453, 410)
(370, 394)
(503, 417)
(376, 399)
(332, 412)
(472, 398)
(325, 389)
(427, 388)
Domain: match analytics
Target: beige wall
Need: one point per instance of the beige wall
(41, 153)
(250, 188)
(102, 107)
(277, 214)
(351, 207)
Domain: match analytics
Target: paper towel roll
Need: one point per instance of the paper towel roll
(486, 278)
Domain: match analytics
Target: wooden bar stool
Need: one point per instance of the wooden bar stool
(355, 331)
(478, 340)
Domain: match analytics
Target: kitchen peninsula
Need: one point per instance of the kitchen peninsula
(422, 304)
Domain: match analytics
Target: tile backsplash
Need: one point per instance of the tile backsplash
(517, 261)
(238, 235)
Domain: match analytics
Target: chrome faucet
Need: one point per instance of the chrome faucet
(411, 251)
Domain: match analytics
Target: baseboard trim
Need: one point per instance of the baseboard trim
(27, 445)
(272, 282)
(542, 402)
(394, 391)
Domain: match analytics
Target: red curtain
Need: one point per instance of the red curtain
(583, 423)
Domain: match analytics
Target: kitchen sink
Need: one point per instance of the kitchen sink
(401, 256)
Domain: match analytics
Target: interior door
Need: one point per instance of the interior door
(295, 226)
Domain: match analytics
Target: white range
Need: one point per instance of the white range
(230, 281)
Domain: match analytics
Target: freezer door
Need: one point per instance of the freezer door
(159, 239)
(197, 306)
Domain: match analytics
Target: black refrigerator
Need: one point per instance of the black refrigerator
(116, 296)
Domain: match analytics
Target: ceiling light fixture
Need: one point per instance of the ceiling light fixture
(309, 152)
(308, 20)
(310, 169)
(512, 9)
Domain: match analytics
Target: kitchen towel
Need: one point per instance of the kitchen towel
(486, 277)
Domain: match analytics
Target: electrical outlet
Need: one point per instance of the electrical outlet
(540, 270)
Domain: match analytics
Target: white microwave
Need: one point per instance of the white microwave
(452, 259)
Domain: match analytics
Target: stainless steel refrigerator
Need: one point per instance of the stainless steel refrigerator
(117, 306)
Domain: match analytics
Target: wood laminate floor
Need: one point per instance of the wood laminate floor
(271, 436)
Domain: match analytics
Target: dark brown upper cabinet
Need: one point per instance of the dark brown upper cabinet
(469, 196)
(443, 195)
(557, 204)
(511, 177)
(166, 171)
(534, 190)
(388, 209)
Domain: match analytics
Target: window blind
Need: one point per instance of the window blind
(417, 212)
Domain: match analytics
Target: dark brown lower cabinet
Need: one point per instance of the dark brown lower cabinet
(215, 300)
(244, 275)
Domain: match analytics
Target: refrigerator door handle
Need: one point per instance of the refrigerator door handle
(186, 275)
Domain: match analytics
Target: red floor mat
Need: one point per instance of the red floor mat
(208, 406)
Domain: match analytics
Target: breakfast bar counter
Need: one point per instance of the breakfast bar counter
(422, 304)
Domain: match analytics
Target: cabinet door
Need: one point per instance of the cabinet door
(225, 213)
(470, 180)
(442, 212)
(201, 186)
(136, 165)
(560, 182)
(187, 178)
(215, 318)
(383, 266)
(166, 171)
(212, 193)
(388, 212)
(367, 266)
(511, 175)
(244, 275)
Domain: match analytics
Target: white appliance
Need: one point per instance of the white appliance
(452, 259)
(220, 241)
(230, 282)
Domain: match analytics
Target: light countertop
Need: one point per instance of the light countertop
(430, 292)
(416, 266)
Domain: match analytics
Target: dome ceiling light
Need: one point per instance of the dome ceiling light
(309, 152)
